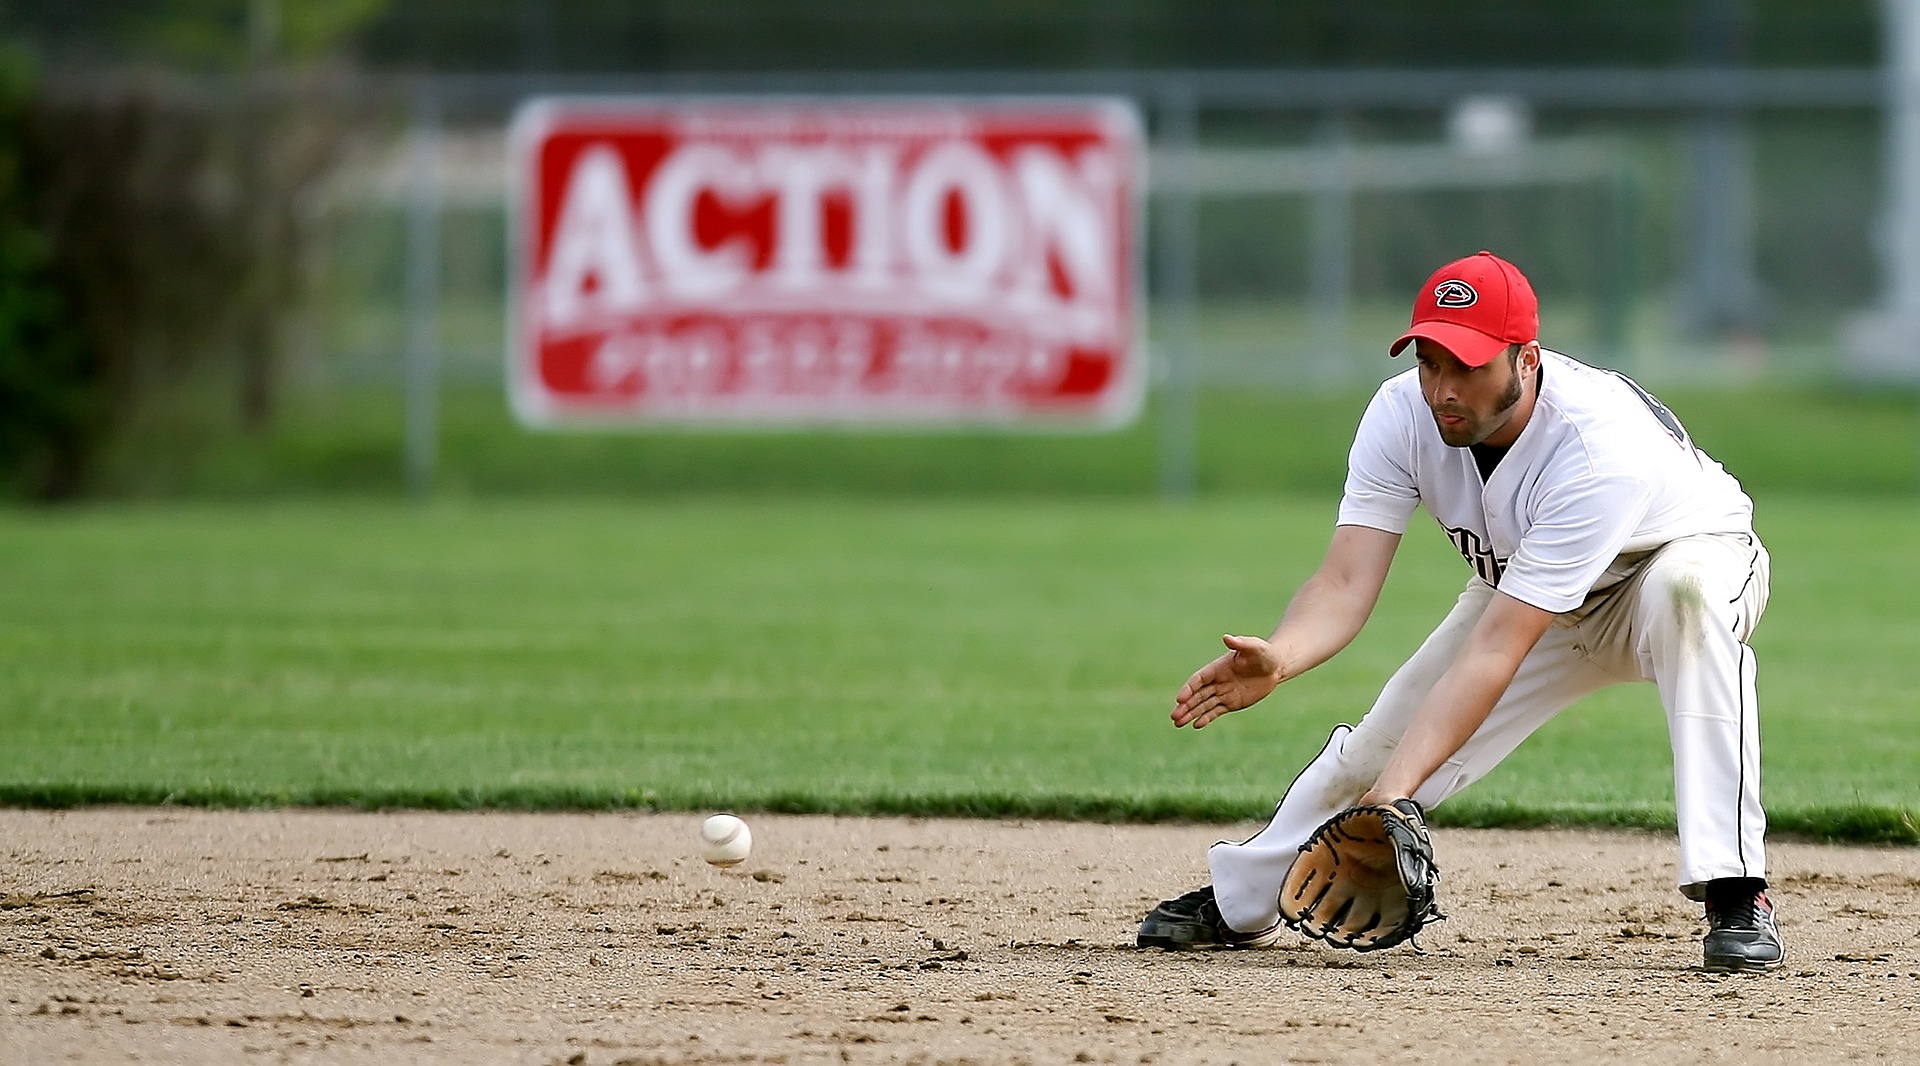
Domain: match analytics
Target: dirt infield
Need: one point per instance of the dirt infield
(186, 936)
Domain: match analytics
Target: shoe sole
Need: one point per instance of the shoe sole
(1740, 966)
(1168, 942)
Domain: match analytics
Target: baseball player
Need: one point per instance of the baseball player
(1605, 548)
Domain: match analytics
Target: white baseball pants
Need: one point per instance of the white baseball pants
(1680, 620)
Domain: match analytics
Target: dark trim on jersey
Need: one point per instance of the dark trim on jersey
(1740, 676)
(1485, 564)
(1753, 571)
(1660, 410)
(1296, 781)
(1487, 457)
(1740, 797)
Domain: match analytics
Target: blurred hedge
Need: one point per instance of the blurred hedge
(149, 234)
(46, 409)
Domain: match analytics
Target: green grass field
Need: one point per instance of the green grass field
(1006, 656)
(1250, 441)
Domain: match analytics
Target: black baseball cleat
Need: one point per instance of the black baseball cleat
(1741, 932)
(1193, 921)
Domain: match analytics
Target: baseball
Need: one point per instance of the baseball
(724, 840)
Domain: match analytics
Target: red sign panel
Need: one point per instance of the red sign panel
(805, 262)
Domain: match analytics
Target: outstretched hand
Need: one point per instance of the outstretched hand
(1240, 678)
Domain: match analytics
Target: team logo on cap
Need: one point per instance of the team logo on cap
(1455, 294)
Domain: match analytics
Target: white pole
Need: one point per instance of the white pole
(1901, 247)
(1901, 239)
(1880, 343)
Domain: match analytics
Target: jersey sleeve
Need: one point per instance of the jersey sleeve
(1578, 529)
(1380, 492)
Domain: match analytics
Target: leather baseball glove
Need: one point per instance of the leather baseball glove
(1365, 879)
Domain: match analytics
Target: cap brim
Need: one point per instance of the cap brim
(1467, 344)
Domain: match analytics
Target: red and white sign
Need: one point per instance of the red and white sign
(806, 262)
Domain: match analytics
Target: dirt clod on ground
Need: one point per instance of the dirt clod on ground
(189, 936)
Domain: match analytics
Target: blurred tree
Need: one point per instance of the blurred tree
(107, 241)
(268, 44)
(242, 33)
(47, 411)
(744, 35)
(151, 228)
(269, 41)
(199, 35)
(706, 35)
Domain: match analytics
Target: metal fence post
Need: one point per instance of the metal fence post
(1178, 258)
(422, 355)
(1330, 251)
(1618, 257)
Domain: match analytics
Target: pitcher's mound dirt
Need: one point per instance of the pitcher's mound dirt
(187, 936)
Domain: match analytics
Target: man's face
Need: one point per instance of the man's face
(1469, 403)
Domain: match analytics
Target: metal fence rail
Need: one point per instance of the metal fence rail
(1707, 221)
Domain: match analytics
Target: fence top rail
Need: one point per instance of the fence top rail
(1659, 89)
(1437, 89)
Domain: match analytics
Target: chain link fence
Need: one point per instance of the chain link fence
(1706, 228)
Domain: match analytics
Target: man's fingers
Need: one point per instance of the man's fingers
(1201, 684)
(1193, 716)
(1214, 689)
(1185, 710)
(1200, 721)
(1203, 707)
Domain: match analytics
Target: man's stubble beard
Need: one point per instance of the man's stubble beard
(1508, 401)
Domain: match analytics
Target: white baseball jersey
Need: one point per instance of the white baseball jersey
(1602, 469)
(1601, 487)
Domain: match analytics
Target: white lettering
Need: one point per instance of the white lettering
(1037, 231)
(687, 268)
(932, 362)
(801, 178)
(873, 215)
(956, 170)
(617, 363)
(1068, 209)
(692, 363)
(594, 266)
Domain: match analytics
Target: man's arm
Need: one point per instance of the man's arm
(1323, 617)
(1463, 696)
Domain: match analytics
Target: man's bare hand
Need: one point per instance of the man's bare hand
(1240, 678)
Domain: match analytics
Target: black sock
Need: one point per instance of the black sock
(1722, 891)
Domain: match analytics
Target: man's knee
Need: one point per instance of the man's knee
(1362, 755)
(1347, 766)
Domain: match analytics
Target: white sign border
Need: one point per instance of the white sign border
(529, 401)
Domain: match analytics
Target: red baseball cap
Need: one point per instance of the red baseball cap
(1474, 307)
